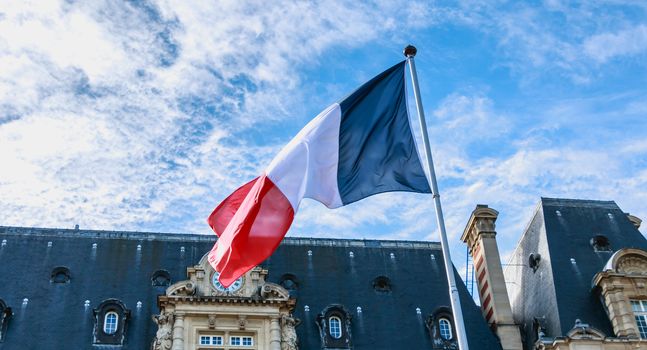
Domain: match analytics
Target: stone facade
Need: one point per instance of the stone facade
(200, 314)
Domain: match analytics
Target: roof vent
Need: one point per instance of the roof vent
(533, 261)
(600, 243)
(60, 274)
(161, 278)
(306, 308)
(418, 311)
(382, 284)
(289, 282)
(559, 213)
(4, 242)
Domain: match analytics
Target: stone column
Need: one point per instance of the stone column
(480, 237)
(178, 331)
(275, 333)
(619, 309)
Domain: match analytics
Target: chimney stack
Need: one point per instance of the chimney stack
(480, 237)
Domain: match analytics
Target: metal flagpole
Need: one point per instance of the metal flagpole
(409, 53)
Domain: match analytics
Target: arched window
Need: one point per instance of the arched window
(110, 323)
(441, 328)
(445, 328)
(334, 325)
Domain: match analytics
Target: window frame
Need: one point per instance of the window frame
(640, 316)
(338, 327)
(447, 329)
(106, 323)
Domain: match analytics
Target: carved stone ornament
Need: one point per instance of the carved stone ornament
(164, 337)
(186, 288)
(633, 265)
(212, 321)
(583, 331)
(288, 333)
(630, 261)
(274, 291)
(242, 322)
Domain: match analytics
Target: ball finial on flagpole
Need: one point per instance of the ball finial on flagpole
(410, 51)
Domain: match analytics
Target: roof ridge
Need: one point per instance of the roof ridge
(194, 237)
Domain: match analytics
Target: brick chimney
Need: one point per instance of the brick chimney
(480, 237)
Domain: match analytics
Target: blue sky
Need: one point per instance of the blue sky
(144, 115)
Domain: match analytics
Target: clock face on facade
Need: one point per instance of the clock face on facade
(233, 288)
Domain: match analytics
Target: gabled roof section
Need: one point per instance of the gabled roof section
(570, 226)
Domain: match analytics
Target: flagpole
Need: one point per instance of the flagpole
(409, 53)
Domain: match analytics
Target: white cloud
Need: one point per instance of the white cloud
(606, 46)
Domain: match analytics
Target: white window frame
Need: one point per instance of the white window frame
(335, 332)
(211, 340)
(231, 340)
(445, 331)
(106, 330)
(639, 308)
(220, 340)
(205, 340)
(251, 341)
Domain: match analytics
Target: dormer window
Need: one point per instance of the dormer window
(110, 322)
(639, 308)
(441, 328)
(334, 327)
(5, 315)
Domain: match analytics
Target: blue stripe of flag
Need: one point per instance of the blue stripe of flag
(377, 152)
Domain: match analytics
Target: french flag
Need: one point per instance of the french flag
(355, 148)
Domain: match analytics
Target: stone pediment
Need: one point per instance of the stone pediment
(202, 281)
(629, 261)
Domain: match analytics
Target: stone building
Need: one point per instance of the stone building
(84, 289)
(576, 280)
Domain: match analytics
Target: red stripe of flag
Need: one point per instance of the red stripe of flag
(250, 224)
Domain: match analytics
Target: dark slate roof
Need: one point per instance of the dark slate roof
(569, 235)
(55, 317)
(561, 291)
